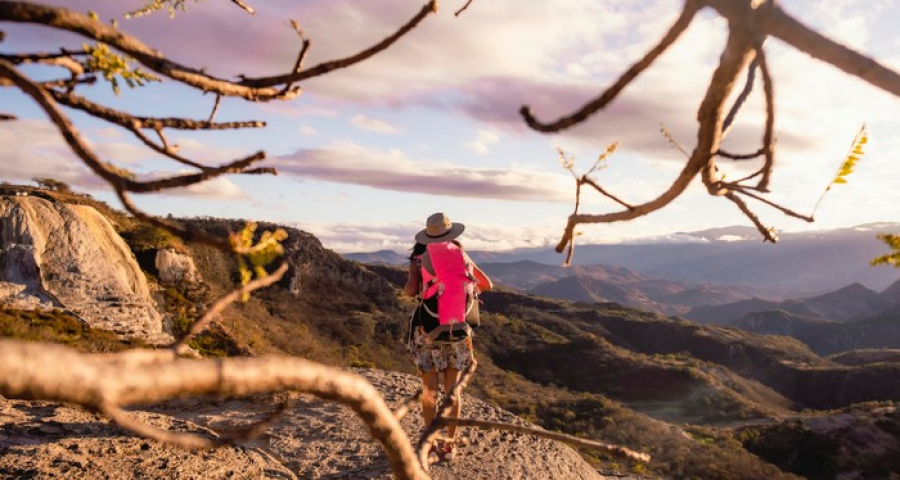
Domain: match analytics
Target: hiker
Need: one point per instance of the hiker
(446, 282)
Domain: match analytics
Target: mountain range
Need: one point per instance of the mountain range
(801, 264)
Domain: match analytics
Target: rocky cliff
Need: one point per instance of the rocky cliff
(68, 256)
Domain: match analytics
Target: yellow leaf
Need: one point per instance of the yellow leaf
(839, 180)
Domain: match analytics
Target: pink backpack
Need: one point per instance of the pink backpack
(452, 282)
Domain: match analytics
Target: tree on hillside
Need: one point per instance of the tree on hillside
(110, 382)
(107, 383)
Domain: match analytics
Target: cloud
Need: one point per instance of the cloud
(216, 189)
(393, 170)
(308, 131)
(482, 142)
(372, 125)
(35, 148)
(350, 237)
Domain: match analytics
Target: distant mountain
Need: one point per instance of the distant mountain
(603, 283)
(825, 337)
(849, 303)
(801, 264)
(386, 257)
(852, 301)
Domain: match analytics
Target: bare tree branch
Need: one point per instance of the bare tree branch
(602, 191)
(407, 405)
(741, 156)
(258, 89)
(127, 120)
(51, 372)
(769, 133)
(326, 67)
(463, 8)
(768, 233)
(216, 308)
(215, 109)
(616, 450)
(244, 6)
(791, 213)
(687, 14)
(741, 98)
(7, 116)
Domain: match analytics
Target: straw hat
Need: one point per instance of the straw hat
(438, 228)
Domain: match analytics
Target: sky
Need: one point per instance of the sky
(366, 153)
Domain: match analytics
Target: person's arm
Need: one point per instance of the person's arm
(483, 282)
(414, 281)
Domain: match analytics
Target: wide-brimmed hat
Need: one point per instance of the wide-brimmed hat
(438, 228)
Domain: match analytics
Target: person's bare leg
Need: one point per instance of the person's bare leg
(429, 396)
(451, 378)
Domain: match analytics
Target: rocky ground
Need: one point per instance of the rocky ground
(314, 439)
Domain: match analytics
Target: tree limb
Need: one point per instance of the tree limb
(326, 67)
(100, 382)
(216, 308)
(680, 25)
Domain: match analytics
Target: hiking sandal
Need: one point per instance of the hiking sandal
(448, 453)
(434, 454)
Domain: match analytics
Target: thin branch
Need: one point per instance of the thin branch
(326, 67)
(63, 59)
(603, 192)
(301, 56)
(216, 308)
(215, 109)
(190, 235)
(616, 450)
(7, 116)
(741, 156)
(408, 405)
(463, 8)
(741, 98)
(769, 134)
(262, 426)
(237, 166)
(32, 370)
(164, 149)
(680, 25)
(767, 232)
(787, 211)
(127, 120)
(244, 6)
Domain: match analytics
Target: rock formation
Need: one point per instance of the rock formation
(175, 268)
(69, 256)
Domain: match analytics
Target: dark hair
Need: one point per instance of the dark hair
(417, 250)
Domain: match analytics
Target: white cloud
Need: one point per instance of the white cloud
(308, 131)
(372, 125)
(35, 148)
(349, 237)
(393, 170)
(216, 189)
(482, 142)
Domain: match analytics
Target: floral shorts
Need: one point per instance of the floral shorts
(439, 356)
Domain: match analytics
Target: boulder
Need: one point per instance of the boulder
(69, 256)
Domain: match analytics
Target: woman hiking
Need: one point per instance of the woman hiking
(446, 282)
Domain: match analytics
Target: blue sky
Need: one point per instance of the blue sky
(366, 153)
